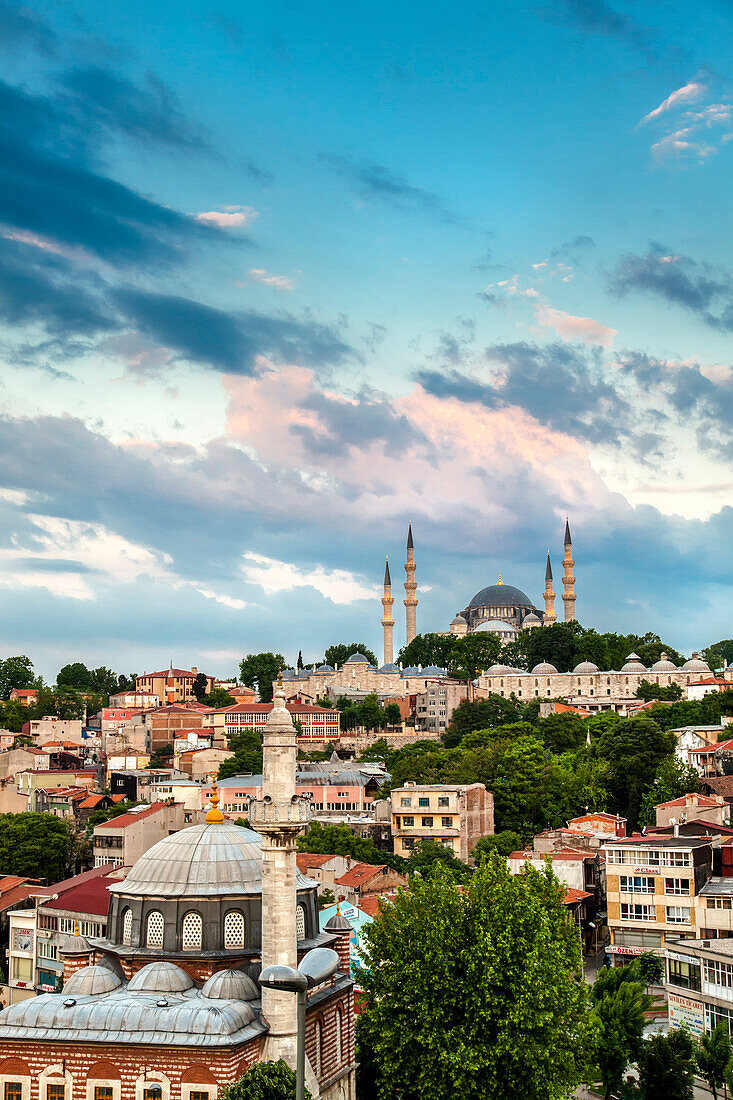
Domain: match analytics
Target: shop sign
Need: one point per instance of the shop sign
(682, 958)
(48, 988)
(616, 949)
(685, 1011)
(646, 870)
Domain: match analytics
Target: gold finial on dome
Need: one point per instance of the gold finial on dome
(76, 929)
(500, 581)
(279, 677)
(214, 816)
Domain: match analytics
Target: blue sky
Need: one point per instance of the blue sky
(275, 279)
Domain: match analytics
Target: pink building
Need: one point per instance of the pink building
(317, 723)
(340, 792)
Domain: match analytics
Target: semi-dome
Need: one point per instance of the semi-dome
(663, 664)
(230, 985)
(501, 595)
(544, 668)
(495, 626)
(160, 977)
(586, 667)
(633, 664)
(91, 980)
(696, 664)
(531, 618)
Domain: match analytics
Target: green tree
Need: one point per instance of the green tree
(673, 780)
(719, 652)
(479, 714)
(246, 744)
(427, 853)
(428, 649)
(75, 676)
(200, 685)
(649, 968)
(666, 1066)
(620, 1016)
(264, 1081)
(561, 732)
(16, 672)
(326, 897)
(218, 697)
(647, 691)
(393, 714)
(504, 843)
(474, 993)
(713, 1056)
(338, 840)
(337, 655)
(371, 715)
(473, 654)
(115, 810)
(633, 749)
(259, 670)
(35, 845)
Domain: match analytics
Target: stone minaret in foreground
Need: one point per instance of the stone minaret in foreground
(568, 580)
(550, 616)
(279, 816)
(387, 620)
(410, 590)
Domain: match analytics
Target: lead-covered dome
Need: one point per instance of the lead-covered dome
(501, 595)
(494, 626)
(633, 664)
(544, 668)
(696, 664)
(230, 985)
(92, 980)
(663, 664)
(160, 977)
(586, 668)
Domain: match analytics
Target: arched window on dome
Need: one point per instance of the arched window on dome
(300, 922)
(127, 927)
(192, 930)
(233, 929)
(154, 929)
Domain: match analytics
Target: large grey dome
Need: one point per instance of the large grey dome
(92, 980)
(586, 667)
(663, 665)
(160, 977)
(210, 860)
(501, 595)
(544, 668)
(633, 664)
(696, 664)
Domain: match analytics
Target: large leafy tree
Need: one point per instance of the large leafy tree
(264, 1081)
(475, 993)
(504, 843)
(473, 654)
(339, 840)
(633, 749)
(619, 1012)
(667, 1067)
(479, 714)
(428, 852)
(246, 744)
(647, 691)
(713, 1056)
(718, 652)
(199, 685)
(428, 649)
(337, 654)
(218, 697)
(259, 670)
(16, 672)
(36, 845)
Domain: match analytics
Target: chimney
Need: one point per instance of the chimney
(676, 830)
(194, 670)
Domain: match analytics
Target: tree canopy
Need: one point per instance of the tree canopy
(339, 840)
(633, 750)
(463, 656)
(246, 744)
(218, 697)
(35, 845)
(474, 993)
(17, 672)
(672, 780)
(259, 670)
(565, 645)
(264, 1081)
(337, 654)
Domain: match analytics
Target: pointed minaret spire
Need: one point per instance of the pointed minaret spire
(568, 580)
(410, 590)
(387, 620)
(550, 616)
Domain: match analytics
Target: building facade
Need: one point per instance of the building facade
(456, 815)
(171, 685)
(316, 723)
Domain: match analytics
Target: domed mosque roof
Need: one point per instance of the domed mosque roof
(544, 668)
(159, 977)
(501, 595)
(498, 670)
(357, 659)
(696, 664)
(586, 667)
(458, 621)
(663, 664)
(91, 980)
(231, 985)
(324, 668)
(494, 626)
(390, 668)
(531, 618)
(633, 664)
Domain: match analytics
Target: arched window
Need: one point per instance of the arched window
(300, 922)
(127, 927)
(339, 1036)
(191, 932)
(155, 927)
(319, 1047)
(234, 929)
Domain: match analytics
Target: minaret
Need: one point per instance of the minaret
(410, 590)
(387, 620)
(550, 616)
(568, 580)
(279, 816)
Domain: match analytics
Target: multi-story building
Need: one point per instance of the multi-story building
(699, 984)
(28, 782)
(456, 815)
(707, 809)
(316, 723)
(346, 791)
(52, 728)
(135, 698)
(121, 841)
(434, 706)
(652, 885)
(171, 685)
(135, 783)
(201, 764)
(22, 954)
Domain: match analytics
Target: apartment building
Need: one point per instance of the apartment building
(29, 782)
(706, 809)
(121, 841)
(699, 984)
(343, 791)
(456, 815)
(22, 954)
(171, 685)
(434, 706)
(52, 728)
(652, 885)
(316, 723)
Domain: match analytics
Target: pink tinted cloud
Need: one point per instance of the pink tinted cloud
(229, 217)
(568, 327)
(279, 282)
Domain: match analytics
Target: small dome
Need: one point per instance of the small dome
(633, 664)
(544, 668)
(411, 670)
(663, 664)
(231, 985)
(459, 621)
(495, 626)
(696, 664)
(91, 980)
(160, 977)
(390, 668)
(433, 670)
(531, 618)
(499, 670)
(357, 659)
(337, 923)
(586, 667)
(76, 945)
(324, 668)
(289, 674)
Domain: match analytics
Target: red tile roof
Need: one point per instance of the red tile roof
(170, 672)
(564, 708)
(360, 873)
(67, 883)
(124, 820)
(118, 797)
(702, 800)
(309, 860)
(572, 896)
(91, 801)
(20, 893)
(372, 902)
(91, 896)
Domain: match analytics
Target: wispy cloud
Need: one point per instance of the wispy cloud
(575, 328)
(690, 133)
(229, 217)
(338, 585)
(279, 282)
(688, 93)
(376, 182)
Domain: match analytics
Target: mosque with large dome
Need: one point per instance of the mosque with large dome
(167, 1006)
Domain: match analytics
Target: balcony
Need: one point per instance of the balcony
(287, 815)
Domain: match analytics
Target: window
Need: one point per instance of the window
(446, 822)
(676, 914)
(408, 843)
(675, 859)
(152, 1092)
(155, 929)
(638, 912)
(192, 930)
(13, 1090)
(677, 886)
(234, 929)
(423, 801)
(55, 1092)
(715, 1015)
(339, 1036)
(46, 949)
(636, 884)
(427, 822)
(198, 1096)
(405, 802)
(300, 922)
(716, 973)
(103, 1092)
(127, 927)
(319, 1048)
(717, 903)
(685, 975)
(22, 969)
(408, 822)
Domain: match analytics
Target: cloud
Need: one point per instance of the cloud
(688, 93)
(230, 217)
(597, 17)
(574, 250)
(18, 26)
(374, 181)
(279, 282)
(575, 328)
(699, 287)
(337, 585)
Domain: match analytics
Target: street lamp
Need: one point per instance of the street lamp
(315, 968)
